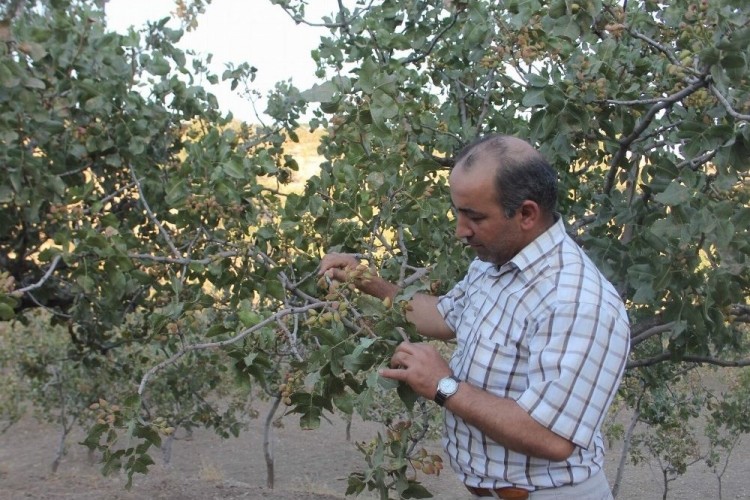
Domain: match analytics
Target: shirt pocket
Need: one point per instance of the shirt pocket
(497, 366)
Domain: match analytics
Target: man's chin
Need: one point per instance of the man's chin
(485, 256)
(482, 254)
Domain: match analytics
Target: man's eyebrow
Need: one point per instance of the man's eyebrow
(467, 211)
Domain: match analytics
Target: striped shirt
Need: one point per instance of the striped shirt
(547, 330)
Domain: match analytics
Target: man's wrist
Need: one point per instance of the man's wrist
(446, 387)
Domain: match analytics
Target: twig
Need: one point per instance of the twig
(696, 162)
(403, 334)
(643, 125)
(436, 38)
(727, 105)
(485, 103)
(404, 254)
(655, 330)
(343, 24)
(661, 48)
(214, 345)
(44, 278)
(417, 275)
(182, 260)
(152, 216)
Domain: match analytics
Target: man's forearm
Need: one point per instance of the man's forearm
(422, 311)
(425, 316)
(506, 423)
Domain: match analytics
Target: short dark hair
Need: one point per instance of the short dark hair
(520, 173)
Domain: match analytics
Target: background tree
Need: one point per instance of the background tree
(129, 199)
(125, 204)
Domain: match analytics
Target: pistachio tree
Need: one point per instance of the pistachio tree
(128, 193)
(642, 108)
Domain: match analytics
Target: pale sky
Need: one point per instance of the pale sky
(252, 31)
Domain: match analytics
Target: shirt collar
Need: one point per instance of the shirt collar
(534, 252)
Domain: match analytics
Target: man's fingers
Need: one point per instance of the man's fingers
(405, 347)
(336, 261)
(398, 360)
(393, 373)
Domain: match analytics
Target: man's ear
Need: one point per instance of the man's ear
(530, 215)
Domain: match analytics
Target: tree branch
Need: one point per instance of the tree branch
(667, 356)
(222, 343)
(435, 40)
(653, 43)
(654, 330)
(727, 105)
(643, 125)
(342, 24)
(183, 260)
(44, 278)
(152, 216)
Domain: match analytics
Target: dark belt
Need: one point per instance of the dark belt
(507, 493)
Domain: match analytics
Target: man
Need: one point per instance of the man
(542, 337)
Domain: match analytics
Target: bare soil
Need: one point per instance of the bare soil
(309, 465)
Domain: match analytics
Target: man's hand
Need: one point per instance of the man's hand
(422, 311)
(338, 266)
(346, 267)
(420, 366)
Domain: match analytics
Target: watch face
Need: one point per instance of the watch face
(448, 386)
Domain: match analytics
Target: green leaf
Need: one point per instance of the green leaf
(275, 289)
(86, 283)
(407, 395)
(416, 490)
(95, 104)
(675, 194)
(234, 168)
(34, 83)
(35, 50)
(158, 65)
(148, 433)
(322, 92)
(176, 192)
(383, 107)
(355, 484)
(534, 97)
(344, 402)
(733, 61)
(311, 408)
(141, 464)
(371, 306)
(6, 312)
(248, 318)
(357, 362)
(368, 74)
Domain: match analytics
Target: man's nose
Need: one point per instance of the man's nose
(462, 229)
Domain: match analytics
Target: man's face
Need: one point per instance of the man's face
(481, 221)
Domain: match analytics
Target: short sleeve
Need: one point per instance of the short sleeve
(451, 305)
(577, 356)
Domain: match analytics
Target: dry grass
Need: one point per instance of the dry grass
(306, 153)
(210, 472)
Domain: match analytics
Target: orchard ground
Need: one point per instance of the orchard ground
(309, 465)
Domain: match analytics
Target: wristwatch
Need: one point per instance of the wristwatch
(446, 388)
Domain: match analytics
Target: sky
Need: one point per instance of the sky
(252, 31)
